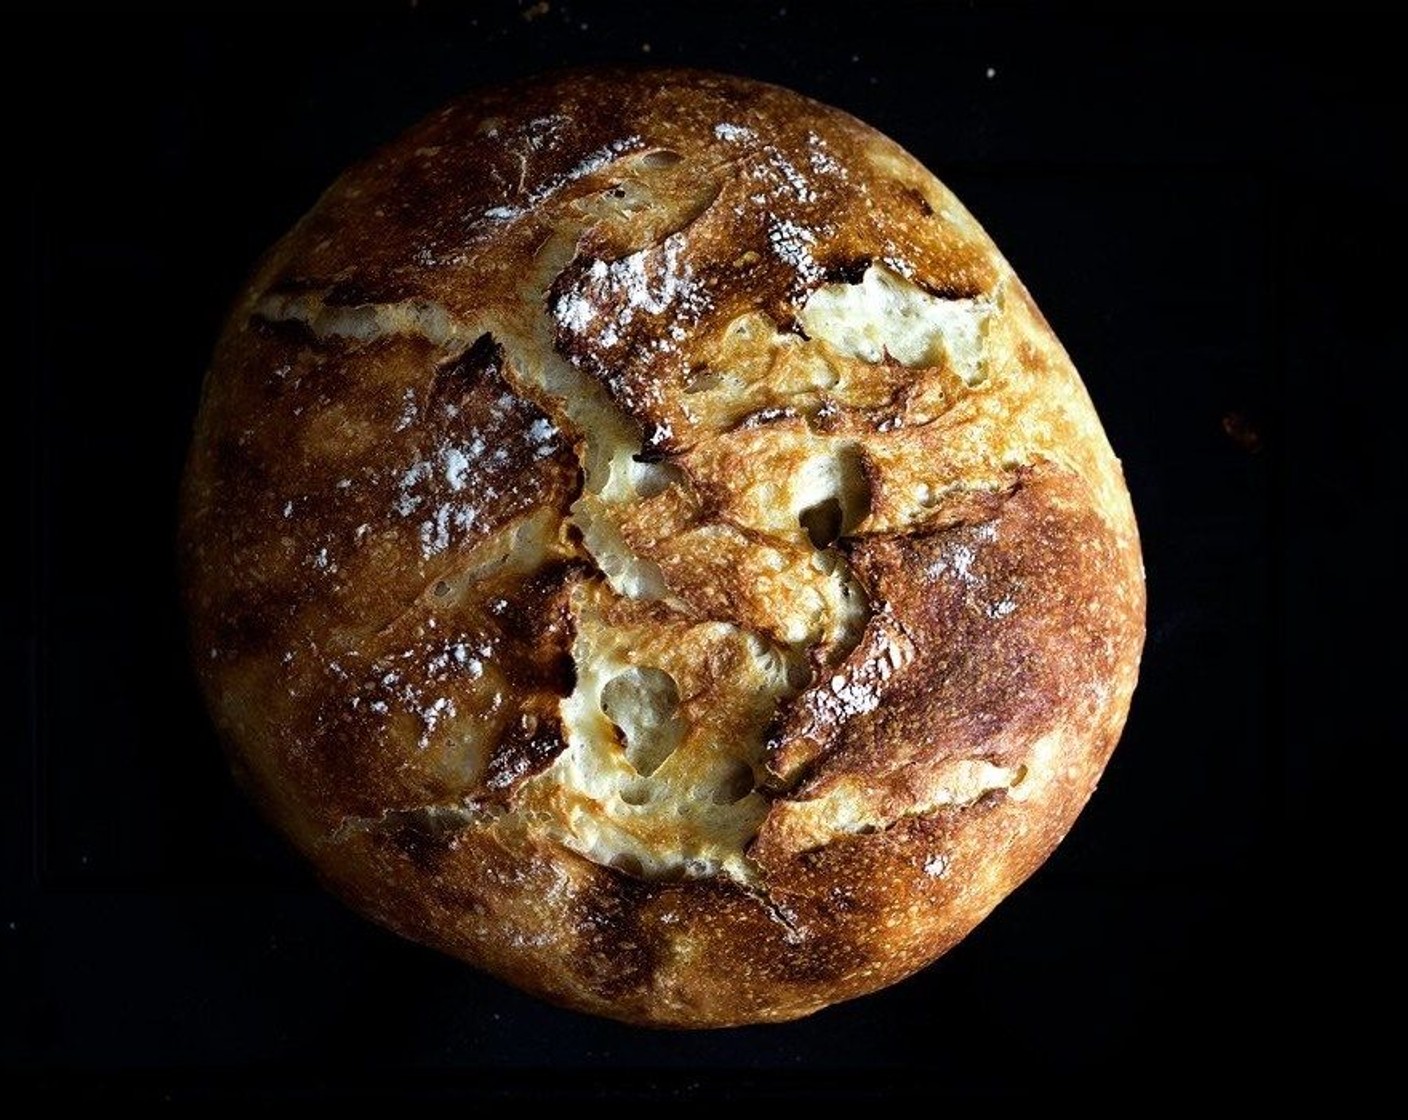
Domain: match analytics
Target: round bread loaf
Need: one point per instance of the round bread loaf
(641, 538)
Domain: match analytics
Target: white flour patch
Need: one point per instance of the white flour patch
(542, 435)
(793, 243)
(820, 157)
(449, 489)
(734, 133)
(857, 689)
(658, 284)
(409, 411)
(427, 694)
(1001, 609)
(782, 176)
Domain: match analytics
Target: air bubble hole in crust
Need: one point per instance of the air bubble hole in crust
(799, 674)
(847, 501)
(637, 793)
(643, 702)
(653, 479)
(660, 158)
(628, 197)
(736, 783)
(822, 522)
(702, 382)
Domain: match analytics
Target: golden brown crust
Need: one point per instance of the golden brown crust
(642, 538)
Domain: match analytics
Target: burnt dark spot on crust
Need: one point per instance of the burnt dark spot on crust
(423, 836)
(953, 288)
(848, 271)
(290, 331)
(615, 956)
(536, 632)
(916, 196)
(482, 361)
(351, 293)
(563, 674)
(530, 744)
(533, 616)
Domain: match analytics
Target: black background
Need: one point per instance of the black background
(1194, 201)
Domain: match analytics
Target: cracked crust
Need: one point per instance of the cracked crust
(642, 538)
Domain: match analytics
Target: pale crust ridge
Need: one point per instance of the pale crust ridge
(642, 538)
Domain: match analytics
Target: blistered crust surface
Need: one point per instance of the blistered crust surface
(642, 538)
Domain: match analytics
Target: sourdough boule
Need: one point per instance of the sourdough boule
(641, 538)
